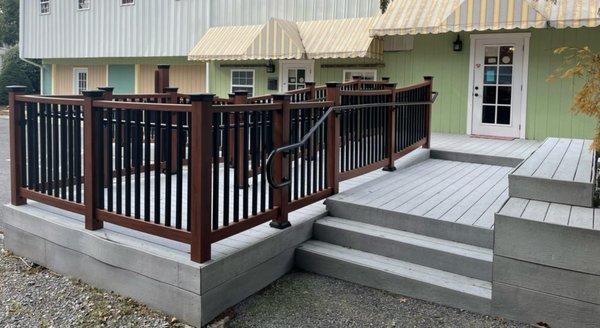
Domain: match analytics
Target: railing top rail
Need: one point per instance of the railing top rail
(413, 86)
(142, 106)
(310, 104)
(245, 107)
(365, 92)
(49, 100)
(141, 95)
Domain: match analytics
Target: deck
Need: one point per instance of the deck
(481, 150)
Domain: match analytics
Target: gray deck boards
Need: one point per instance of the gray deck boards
(465, 193)
(518, 148)
(558, 214)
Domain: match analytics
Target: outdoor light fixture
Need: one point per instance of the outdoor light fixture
(457, 45)
(271, 66)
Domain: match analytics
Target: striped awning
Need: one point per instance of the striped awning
(340, 38)
(408, 17)
(277, 39)
(280, 39)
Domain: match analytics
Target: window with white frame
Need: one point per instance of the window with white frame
(80, 80)
(44, 7)
(83, 4)
(127, 2)
(243, 80)
(364, 74)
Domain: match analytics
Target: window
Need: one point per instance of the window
(44, 7)
(127, 2)
(365, 74)
(80, 80)
(243, 80)
(83, 4)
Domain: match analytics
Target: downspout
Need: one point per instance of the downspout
(41, 67)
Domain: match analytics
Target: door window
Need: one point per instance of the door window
(296, 78)
(497, 85)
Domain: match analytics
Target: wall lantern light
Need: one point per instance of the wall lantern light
(458, 44)
(271, 67)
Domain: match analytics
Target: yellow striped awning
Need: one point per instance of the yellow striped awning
(407, 17)
(280, 39)
(277, 39)
(340, 38)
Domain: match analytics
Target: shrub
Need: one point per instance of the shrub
(583, 63)
(17, 72)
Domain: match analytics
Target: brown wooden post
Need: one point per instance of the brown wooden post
(108, 95)
(200, 175)
(16, 157)
(91, 158)
(391, 129)
(428, 112)
(174, 99)
(239, 98)
(161, 78)
(311, 92)
(281, 137)
(333, 139)
(229, 161)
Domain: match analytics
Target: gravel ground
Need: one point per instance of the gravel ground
(33, 296)
(303, 299)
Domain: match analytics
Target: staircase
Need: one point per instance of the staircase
(400, 261)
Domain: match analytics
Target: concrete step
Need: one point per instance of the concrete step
(395, 276)
(467, 260)
(447, 230)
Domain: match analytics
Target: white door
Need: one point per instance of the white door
(295, 74)
(80, 80)
(498, 86)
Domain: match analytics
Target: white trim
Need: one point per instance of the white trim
(302, 63)
(231, 85)
(363, 70)
(524, 76)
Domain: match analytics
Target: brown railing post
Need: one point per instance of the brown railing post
(391, 129)
(428, 112)
(161, 78)
(311, 92)
(16, 157)
(91, 159)
(239, 98)
(281, 137)
(174, 99)
(108, 95)
(200, 175)
(333, 139)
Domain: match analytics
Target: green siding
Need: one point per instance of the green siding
(122, 78)
(47, 79)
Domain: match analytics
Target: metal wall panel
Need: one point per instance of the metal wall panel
(153, 28)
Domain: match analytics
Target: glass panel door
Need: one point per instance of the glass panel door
(497, 85)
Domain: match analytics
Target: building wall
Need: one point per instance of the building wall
(220, 77)
(154, 28)
(548, 103)
(189, 78)
(62, 78)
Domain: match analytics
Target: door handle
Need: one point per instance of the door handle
(476, 94)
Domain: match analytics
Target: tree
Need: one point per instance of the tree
(585, 64)
(9, 22)
(383, 4)
(17, 72)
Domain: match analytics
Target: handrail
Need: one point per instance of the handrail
(315, 127)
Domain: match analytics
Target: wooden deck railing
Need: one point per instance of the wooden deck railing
(194, 168)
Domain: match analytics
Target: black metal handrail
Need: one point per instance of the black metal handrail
(288, 148)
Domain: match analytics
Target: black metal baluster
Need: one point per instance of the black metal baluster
(254, 134)
(263, 154)
(57, 145)
(119, 159)
(127, 161)
(63, 152)
(49, 152)
(147, 162)
(137, 163)
(71, 153)
(246, 147)
(109, 151)
(157, 164)
(168, 150)
(226, 167)
(296, 138)
(236, 168)
(179, 163)
(43, 157)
